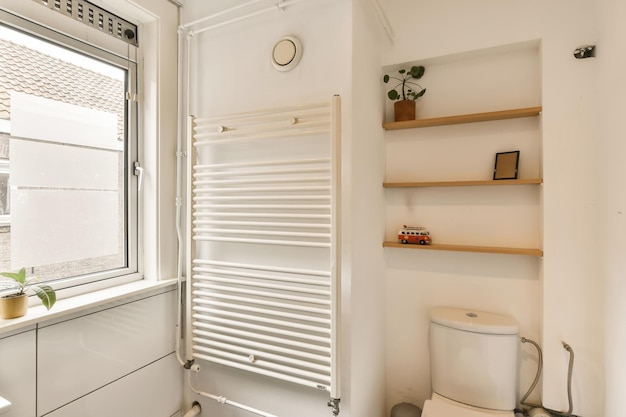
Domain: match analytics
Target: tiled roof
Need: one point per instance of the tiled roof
(32, 72)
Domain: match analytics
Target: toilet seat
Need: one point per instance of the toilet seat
(440, 406)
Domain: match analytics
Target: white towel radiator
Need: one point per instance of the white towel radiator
(264, 205)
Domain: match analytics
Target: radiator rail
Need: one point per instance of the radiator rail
(264, 259)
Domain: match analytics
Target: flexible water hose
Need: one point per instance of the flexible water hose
(569, 381)
(537, 375)
(540, 366)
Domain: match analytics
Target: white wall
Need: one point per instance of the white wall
(501, 78)
(556, 298)
(563, 300)
(363, 215)
(158, 101)
(609, 134)
(232, 73)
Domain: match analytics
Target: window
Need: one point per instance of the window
(68, 198)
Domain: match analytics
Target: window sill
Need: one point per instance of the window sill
(66, 308)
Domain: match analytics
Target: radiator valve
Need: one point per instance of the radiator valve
(334, 404)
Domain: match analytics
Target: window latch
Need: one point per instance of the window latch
(138, 173)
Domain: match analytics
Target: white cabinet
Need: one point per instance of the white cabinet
(150, 391)
(17, 373)
(78, 356)
(114, 360)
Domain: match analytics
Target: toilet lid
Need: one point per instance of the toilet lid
(443, 408)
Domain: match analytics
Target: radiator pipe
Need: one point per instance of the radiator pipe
(224, 400)
(194, 411)
(178, 202)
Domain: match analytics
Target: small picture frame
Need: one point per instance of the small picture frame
(506, 165)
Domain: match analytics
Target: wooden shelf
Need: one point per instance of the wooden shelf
(466, 248)
(414, 184)
(451, 120)
(465, 118)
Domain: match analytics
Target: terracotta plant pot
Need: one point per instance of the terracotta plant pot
(12, 307)
(404, 110)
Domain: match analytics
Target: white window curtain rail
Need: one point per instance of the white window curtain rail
(264, 285)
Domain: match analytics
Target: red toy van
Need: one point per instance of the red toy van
(414, 234)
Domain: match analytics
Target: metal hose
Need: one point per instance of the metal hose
(569, 382)
(537, 375)
(539, 367)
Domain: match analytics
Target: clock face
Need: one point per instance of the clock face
(286, 53)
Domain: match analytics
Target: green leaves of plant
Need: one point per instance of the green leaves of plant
(406, 91)
(417, 71)
(19, 276)
(414, 95)
(46, 294)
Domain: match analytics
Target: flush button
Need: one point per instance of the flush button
(472, 315)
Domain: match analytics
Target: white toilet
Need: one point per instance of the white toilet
(473, 364)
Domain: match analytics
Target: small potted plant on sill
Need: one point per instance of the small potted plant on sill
(404, 107)
(16, 305)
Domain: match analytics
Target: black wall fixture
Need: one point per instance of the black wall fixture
(586, 51)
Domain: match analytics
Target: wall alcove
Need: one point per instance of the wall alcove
(439, 167)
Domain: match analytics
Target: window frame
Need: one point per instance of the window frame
(102, 52)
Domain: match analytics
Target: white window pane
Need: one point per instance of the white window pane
(66, 166)
(38, 164)
(55, 121)
(54, 226)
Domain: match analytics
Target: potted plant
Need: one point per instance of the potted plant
(16, 305)
(410, 91)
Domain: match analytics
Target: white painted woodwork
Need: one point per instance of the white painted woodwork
(81, 355)
(17, 373)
